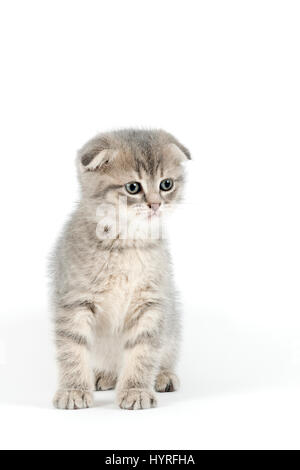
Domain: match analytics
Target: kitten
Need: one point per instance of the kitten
(116, 320)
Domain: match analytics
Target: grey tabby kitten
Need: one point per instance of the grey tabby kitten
(116, 322)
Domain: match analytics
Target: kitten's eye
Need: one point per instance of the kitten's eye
(166, 184)
(133, 188)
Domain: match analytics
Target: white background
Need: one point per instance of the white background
(224, 77)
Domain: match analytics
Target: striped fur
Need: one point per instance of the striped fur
(115, 313)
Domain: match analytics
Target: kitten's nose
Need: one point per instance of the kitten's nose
(154, 205)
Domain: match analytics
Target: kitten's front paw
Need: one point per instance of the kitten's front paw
(72, 399)
(136, 399)
(166, 382)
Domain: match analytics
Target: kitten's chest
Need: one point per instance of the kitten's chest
(121, 279)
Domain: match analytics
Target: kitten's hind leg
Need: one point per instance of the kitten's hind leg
(166, 381)
(105, 380)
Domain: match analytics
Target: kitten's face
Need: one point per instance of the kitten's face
(134, 186)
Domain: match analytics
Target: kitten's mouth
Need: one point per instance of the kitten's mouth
(153, 214)
(148, 214)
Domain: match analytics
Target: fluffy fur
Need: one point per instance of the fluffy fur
(116, 319)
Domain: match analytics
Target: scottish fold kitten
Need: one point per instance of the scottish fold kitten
(115, 314)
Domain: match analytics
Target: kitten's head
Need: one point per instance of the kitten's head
(139, 169)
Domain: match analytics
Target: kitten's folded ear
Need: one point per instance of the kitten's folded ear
(184, 150)
(179, 152)
(96, 160)
(176, 148)
(95, 155)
